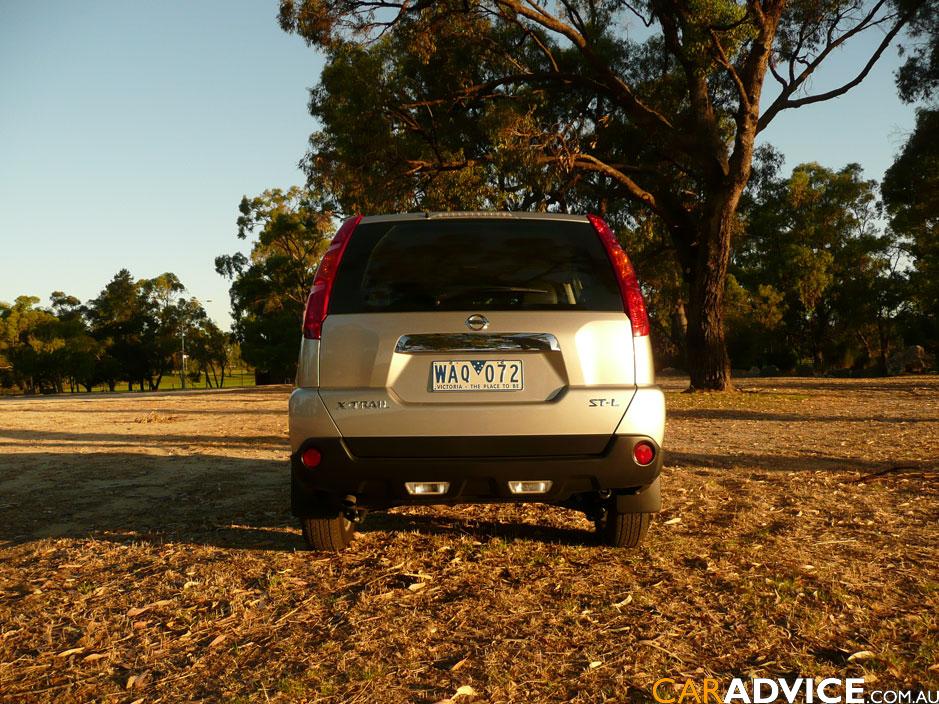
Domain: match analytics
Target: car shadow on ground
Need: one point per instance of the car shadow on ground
(202, 500)
(228, 502)
(70, 438)
(727, 414)
(242, 503)
(914, 385)
(470, 527)
(778, 462)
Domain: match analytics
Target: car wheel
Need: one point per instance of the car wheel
(330, 532)
(622, 530)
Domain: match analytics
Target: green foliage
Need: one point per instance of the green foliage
(122, 317)
(131, 331)
(269, 289)
(918, 76)
(818, 281)
(570, 106)
(30, 345)
(911, 194)
(754, 319)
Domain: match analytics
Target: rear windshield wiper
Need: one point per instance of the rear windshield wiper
(490, 289)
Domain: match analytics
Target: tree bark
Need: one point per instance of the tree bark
(704, 252)
(708, 361)
(882, 368)
(679, 330)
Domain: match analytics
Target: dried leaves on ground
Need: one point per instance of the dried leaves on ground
(147, 554)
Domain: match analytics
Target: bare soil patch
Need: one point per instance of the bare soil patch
(147, 554)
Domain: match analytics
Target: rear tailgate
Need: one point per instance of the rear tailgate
(580, 387)
(399, 356)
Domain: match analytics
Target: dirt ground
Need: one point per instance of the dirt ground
(147, 554)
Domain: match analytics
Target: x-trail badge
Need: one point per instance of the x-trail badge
(477, 322)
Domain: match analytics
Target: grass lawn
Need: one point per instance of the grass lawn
(238, 378)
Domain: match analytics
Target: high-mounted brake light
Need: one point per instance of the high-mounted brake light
(633, 304)
(317, 305)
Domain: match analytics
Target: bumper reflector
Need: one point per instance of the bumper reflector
(311, 458)
(427, 488)
(540, 486)
(644, 453)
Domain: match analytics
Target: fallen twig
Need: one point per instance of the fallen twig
(882, 472)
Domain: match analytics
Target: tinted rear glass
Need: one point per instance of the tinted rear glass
(484, 264)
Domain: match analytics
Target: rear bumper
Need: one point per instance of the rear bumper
(477, 469)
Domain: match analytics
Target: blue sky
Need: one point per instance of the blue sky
(129, 132)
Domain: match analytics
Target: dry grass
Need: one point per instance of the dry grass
(147, 554)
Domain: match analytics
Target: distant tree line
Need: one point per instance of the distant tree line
(821, 277)
(829, 271)
(132, 332)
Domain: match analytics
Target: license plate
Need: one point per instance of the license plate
(476, 375)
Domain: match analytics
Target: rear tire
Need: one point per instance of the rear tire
(330, 533)
(622, 530)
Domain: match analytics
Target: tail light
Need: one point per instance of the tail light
(317, 304)
(633, 304)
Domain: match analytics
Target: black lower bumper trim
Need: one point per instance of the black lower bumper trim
(478, 447)
(377, 482)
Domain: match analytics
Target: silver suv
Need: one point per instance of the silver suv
(475, 357)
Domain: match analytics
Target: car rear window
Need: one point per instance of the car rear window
(484, 264)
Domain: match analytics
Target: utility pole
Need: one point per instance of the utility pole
(183, 361)
(182, 335)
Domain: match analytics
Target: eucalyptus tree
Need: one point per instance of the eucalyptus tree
(911, 194)
(270, 285)
(652, 105)
(817, 264)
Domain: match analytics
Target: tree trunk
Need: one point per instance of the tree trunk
(679, 330)
(884, 346)
(706, 278)
(708, 362)
(868, 350)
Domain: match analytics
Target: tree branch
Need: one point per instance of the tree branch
(729, 67)
(422, 166)
(549, 55)
(646, 21)
(779, 79)
(621, 91)
(783, 101)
